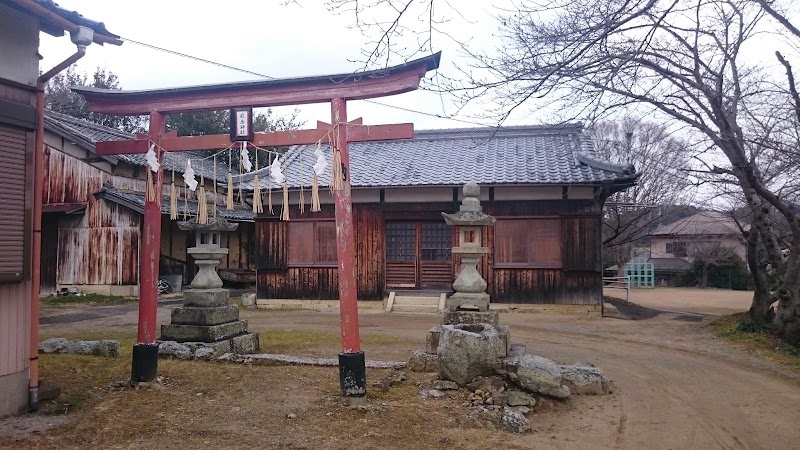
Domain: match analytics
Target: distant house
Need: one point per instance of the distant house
(544, 184)
(20, 25)
(93, 206)
(673, 246)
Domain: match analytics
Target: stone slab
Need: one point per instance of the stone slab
(205, 298)
(202, 333)
(504, 332)
(193, 315)
(432, 339)
(470, 317)
(246, 343)
(467, 301)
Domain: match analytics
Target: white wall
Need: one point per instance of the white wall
(19, 45)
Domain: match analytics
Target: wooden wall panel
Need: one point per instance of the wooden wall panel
(582, 243)
(578, 282)
(370, 252)
(271, 248)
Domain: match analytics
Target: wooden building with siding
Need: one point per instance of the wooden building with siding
(21, 23)
(544, 184)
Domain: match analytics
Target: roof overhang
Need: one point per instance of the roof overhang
(263, 93)
(56, 20)
(64, 208)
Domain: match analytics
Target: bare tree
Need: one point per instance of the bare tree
(682, 61)
(663, 162)
(708, 254)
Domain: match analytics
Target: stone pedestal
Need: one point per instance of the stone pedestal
(468, 301)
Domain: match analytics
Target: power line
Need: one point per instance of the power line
(250, 72)
(208, 61)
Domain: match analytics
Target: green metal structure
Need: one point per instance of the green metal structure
(640, 272)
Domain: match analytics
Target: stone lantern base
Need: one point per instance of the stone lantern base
(478, 301)
(207, 320)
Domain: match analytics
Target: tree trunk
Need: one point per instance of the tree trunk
(761, 309)
(704, 281)
(787, 317)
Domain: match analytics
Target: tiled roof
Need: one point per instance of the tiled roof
(87, 133)
(703, 223)
(556, 155)
(74, 17)
(135, 201)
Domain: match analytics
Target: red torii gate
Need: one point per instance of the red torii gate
(336, 89)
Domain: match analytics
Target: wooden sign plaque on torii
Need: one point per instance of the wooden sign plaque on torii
(336, 89)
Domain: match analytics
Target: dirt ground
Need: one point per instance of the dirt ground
(676, 386)
(702, 301)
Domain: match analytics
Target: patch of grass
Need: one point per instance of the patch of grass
(293, 341)
(757, 338)
(88, 298)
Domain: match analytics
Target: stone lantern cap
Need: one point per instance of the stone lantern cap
(214, 224)
(470, 213)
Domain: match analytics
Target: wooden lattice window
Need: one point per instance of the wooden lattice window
(312, 243)
(527, 243)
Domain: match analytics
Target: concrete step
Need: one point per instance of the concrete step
(416, 308)
(423, 301)
(415, 303)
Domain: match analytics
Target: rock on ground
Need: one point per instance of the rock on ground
(445, 385)
(519, 398)
(514, 422)
(420, 361)
(204, 353)
(494, 383)
(466, 352)
(107, 348)
(583, 379)
(172, 348)
(536, 374)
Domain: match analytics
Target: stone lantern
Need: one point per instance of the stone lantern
(206, 319)
(207, 253)
(469, 286)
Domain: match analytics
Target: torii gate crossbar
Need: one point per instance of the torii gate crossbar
(336, 89)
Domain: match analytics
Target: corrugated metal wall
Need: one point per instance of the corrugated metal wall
(101, 246)
(15, 295)
(15, 318)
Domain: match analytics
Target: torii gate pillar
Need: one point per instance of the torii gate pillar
(144, 365)
(352, 365)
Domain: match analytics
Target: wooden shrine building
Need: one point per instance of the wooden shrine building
(544, 184)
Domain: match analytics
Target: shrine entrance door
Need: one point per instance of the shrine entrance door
(418, 255)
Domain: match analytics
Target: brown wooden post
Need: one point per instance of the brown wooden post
(145, 353)
(352, 371)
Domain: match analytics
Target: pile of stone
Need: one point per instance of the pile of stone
(108, 348)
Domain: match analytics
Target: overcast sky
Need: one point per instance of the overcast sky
(266, 37)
